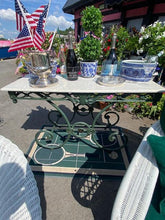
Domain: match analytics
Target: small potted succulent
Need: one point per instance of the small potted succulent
(90, 45)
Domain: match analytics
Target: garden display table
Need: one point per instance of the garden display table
(83, 95)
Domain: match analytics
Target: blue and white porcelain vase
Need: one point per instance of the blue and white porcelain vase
(54, 68)
(88, 69)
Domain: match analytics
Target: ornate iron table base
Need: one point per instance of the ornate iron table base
(82, 105)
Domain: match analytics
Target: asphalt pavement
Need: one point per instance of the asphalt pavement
(61, 197)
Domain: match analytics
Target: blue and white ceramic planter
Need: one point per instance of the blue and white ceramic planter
(54, 68)
(137, 70)
(88, 69)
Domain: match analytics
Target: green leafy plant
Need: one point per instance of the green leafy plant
(92, 20)
(152, 40)
(90, 46)
(21, 63)
(133, 42)
(121, 42)
(141, 109)
(56, 42)
(90, 49)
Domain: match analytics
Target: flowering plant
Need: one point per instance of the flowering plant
(152, 40)
(57, 41)
(121, 42)
(140, 109)
(20, 62)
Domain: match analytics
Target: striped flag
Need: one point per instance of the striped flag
(21, 14)
(36, 14)
(50, 38)
(24, 40)
(39, 37)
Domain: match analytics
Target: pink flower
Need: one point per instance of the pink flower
(58, 70)
(110, 97)
(79, 73)
(125, 106)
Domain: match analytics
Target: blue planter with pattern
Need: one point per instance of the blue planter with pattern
(137, 70)
(88, 69)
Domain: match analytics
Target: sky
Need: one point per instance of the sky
(56, 17)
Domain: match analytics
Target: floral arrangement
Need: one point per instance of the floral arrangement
(57, 41)
(140, 109)
(133, 42)
(20, 62)
(152, 40)
(121, 42)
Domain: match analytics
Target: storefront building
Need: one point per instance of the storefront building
(129, 13)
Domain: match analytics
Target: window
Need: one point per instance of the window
(101, 6)
(107, 26)
(137, 23)
(161, 18)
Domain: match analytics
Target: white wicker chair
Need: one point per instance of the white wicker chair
(19, 198)
(135, 192)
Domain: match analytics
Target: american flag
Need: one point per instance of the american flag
(36, 14)
(20, 20)
(39, 37)
(50, 38)
(24, 40)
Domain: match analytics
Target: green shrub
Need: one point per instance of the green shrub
(90, 49)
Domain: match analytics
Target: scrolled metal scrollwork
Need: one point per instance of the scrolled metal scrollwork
(81, 130)
(83, 105)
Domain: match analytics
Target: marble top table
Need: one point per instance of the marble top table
(85, 85)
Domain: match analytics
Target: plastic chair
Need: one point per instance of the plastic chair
(19, 198)
(135, 192)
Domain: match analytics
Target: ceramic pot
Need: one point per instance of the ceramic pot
(137, 70)
(88, 69)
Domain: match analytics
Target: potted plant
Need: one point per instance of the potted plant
(90, 45)
(121, 42)
(21, 66)
(152, 40)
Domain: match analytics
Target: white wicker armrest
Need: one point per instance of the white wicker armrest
(137, 187)
(19, 198)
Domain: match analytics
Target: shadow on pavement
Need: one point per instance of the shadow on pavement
(40, 184)
(39, 117)
(98, 192)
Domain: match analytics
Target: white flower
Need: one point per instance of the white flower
(146, 36)
(158, 37)
(140, 40)
(142, 29)
(140, 51)
(155, 23)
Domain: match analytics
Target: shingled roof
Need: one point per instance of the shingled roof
(71, 5)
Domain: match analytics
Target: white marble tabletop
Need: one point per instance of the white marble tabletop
(85, 85)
